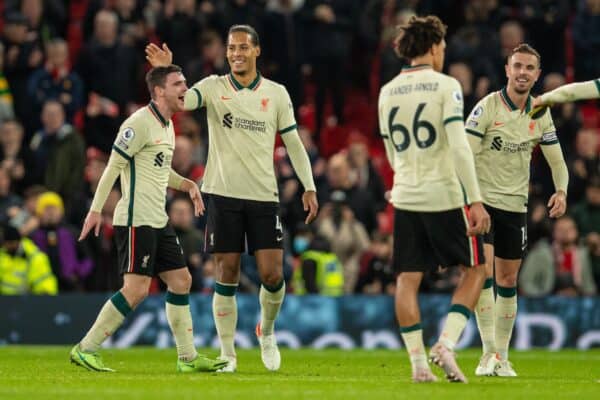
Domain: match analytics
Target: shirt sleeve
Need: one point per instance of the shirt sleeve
(452, 107)
(132, 137)
(549, 135)
(477, 124)
(572, 92)
(384, 130)
(286, 121)
(198, 95)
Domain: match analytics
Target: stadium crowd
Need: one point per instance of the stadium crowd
(72, 71)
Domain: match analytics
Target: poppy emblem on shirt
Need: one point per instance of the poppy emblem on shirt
(264, 103)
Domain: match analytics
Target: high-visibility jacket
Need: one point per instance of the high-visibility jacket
(329, 274)
(27, 272)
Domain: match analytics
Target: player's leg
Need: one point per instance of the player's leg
(410, 260)
(133, 243)
(506, 311)
(224, 305)
(272, 292)
(510, 247)
(486, 317)
(225, 239)
(177, 308)
(452, 246)
(265, 240)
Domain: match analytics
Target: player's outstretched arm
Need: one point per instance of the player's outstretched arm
(301, 164)
(157, 56)
(567, 93)
(93, 220)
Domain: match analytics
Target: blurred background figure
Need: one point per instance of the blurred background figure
(24, 269)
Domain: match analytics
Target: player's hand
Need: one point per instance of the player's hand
(536, 102)
(195, 196)
(93, 220)
(557, 204)
(479, 220)
(310, 203)
(159, 57)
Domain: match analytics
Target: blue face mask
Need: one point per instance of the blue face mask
(300, 244)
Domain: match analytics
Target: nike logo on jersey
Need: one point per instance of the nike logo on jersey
(223, 314)
(496, 123)
(158, 141)
(225, 98)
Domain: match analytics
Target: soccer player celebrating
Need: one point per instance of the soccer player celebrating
(146, 243)
(420, 118)
(244, 112)
(502, 136)
(567, 93)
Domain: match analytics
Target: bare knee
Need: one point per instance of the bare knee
(227, 268)
(506, 278)
(272, 278)
(134, 293)
(408, 282)
(181, 283)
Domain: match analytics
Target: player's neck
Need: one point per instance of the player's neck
(163, 109)
(247, 78)
(426, 59)
(518, 99)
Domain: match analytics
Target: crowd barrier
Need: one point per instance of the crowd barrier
(305, 321)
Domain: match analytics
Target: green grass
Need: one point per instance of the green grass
(30, 372)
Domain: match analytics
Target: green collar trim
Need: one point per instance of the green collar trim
(507, 99)
(512, 105)
(238, 86)
(157, 113)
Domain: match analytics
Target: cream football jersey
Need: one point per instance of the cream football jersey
(146, 140)
(508, 136)
(414, 109)
(242, 124)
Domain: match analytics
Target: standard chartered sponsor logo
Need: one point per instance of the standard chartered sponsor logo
(229, 121)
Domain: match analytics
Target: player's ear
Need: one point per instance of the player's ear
(257, 51)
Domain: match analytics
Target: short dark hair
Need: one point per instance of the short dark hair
(157, 76)
(527, 49)
(246, 29)
(417, 36)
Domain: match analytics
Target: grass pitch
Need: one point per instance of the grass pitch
(37, 372)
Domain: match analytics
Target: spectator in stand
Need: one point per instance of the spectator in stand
(367, 178)
(331, 23)
(377, 275)
(26, 220)
(181, 216)
(586, 40)
(389, 60)
(9, 201)
(6, 99)
(210, 60)
(584, 164)
(24, 269)
(180, 26)
(571, 274)
(586, 213)
(15, 157)
(347, 236)
(283, 47)
(47, 18)
(22, 56)
(68, 258)
(110, 72)
(183, 159)
(464, 75)
(59, 154)
(360, 201)
(57, 81)
(320, 270)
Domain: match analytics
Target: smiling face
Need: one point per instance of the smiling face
(173, 92)
(242, 53)
(522, 71)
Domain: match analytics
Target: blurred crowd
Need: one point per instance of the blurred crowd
(72, 71)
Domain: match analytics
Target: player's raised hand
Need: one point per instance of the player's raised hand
(159, 57)
(310, 203)
(479, 220)
(93, 220)
(557, 204)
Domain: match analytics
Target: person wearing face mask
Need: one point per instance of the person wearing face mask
(24, 269)
(320, 271)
